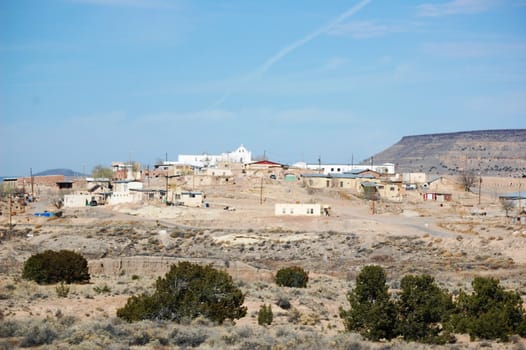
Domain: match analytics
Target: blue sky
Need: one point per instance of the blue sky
(87, 82)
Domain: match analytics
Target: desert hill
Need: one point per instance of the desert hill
(490, 152)
(65, 172)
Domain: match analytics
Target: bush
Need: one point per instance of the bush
(186, 292)
(372, 312)
(37, 336)
(265, 315)
(490, 312)
(188, 338)
(423, 308)
(101, 290)
(62, 290)
(284, 303)
(52, 267)
(292, 277)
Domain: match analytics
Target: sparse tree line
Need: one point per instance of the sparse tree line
(420, 311)
(423, 312)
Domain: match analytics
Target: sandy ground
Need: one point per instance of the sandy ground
(442, 239)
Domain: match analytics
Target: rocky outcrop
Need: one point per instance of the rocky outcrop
(488, 152)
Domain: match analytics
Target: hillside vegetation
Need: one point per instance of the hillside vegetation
(490, 152)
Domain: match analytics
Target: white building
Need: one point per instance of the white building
(240, 155)
(281, 209)
(186, 198)
(384, 169)
(414, 178)
(102, 195)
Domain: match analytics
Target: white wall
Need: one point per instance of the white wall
(386, 168)
(124, 197)
(240, 155)
(217, 172)
(281, 209)
(76, 200)
(414, 178)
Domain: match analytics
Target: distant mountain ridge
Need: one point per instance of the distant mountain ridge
(60, 171)
(488, 152)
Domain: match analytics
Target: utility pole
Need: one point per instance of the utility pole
(32, 182)
(319, 164)
(166, 194)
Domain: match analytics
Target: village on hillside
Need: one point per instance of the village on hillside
(250, 218)
(185, 183)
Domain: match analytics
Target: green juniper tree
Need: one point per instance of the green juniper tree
(489, 312)
(372, 313)
(188, 291)
(423, 309)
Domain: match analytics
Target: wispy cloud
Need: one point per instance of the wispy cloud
(455, 7)
(285, 51)
(364, 29)
(309, 37)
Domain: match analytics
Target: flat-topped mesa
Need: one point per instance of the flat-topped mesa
(488, 152)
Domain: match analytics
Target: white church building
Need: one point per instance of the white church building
(240, 155)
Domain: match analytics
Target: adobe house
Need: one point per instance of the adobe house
(440, 184)
(518, 199)
(391, 190)
(436, 196)
(287, 209)
(316, 180)
(352, 182)
(187, 198)
(10, 183)
(65, 185)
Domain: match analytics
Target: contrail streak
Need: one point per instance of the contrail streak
(290, 48)
(297, 44)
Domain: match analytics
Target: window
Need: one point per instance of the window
(284, 211)
(332, 169)
(391, 188)
(291, 211)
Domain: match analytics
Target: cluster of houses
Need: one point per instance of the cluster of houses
(175, 182)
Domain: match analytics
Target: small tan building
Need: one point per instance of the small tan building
(186, 198)
(288, 209)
